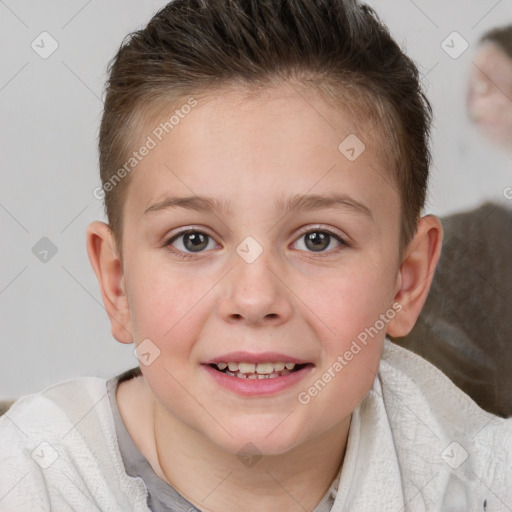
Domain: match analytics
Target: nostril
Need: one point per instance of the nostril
(271, 315)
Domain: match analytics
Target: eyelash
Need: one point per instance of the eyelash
(189, 255)
(178, 252)
(323, 254)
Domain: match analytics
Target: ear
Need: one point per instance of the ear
(416, 274)
(108, 268)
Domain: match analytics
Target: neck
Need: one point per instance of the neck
(214, 480)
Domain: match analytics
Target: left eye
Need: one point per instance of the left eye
(318, 241)
(192, 241)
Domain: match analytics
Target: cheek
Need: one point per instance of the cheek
(351, 301)
(354, 313)
(350, 358)
(162, 301)
(169, 309)
(492, 106)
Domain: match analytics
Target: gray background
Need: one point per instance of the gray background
(53, 325)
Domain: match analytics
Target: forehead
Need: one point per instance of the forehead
(284, 138)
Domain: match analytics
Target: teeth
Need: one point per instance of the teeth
(260, 368)
(259, 376)
(256, 371)
(265, 368)
(246, 367)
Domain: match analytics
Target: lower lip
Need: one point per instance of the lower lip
(258, 387)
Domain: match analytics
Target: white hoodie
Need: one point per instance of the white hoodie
(416, 443)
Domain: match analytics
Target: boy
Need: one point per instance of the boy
(264, 166)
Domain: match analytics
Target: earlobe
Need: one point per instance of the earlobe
(107, 266)
(416, 274)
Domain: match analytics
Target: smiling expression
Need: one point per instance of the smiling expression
(250, 243)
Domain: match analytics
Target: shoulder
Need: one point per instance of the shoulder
(59, 447)
(57, 408)
(491, 215)
(435, 425)
(417, 384)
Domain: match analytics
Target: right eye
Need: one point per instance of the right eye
(190, 241)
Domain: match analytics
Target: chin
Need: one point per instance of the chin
(258, 441)
(245, 446)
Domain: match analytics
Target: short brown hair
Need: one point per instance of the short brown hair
(501, 36)
(194, 46)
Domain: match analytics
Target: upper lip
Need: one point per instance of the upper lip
(249, 357)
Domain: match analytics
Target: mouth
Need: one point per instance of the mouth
(263, 374)
(259, 371)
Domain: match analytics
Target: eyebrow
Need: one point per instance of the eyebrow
(197, 203)
(320, 202)
(293, 204)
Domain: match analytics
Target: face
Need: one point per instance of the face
(490, 93)
(250, 240)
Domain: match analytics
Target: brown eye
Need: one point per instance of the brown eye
(191, 241)
(319, 241)
(195, 241)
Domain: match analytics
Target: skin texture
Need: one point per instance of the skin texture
(490, 94)
(251, 153)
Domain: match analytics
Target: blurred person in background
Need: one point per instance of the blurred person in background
(465, 327)
(489, 99)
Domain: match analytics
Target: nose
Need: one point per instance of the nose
(255, 294)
